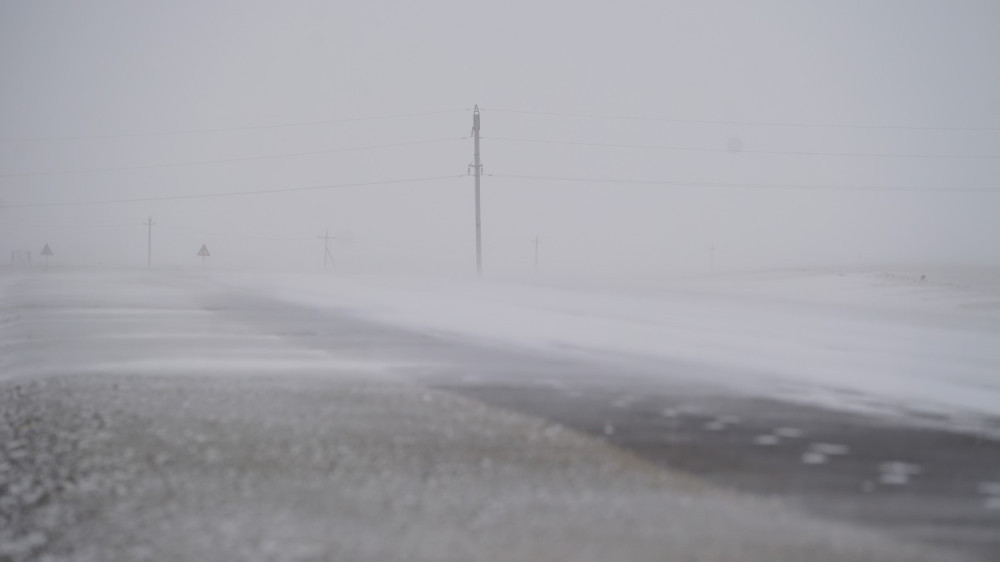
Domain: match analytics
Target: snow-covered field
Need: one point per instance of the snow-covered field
(916, 339)
(139, 424)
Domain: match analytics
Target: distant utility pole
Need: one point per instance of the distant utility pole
(479, 168)
(149, 242)
(327, 257)
(537, 241)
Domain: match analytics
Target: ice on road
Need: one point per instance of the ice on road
(871, 340)
(139, 424)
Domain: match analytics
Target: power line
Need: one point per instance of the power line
(66, 226)
(736, 122)
(231, 193)
(168, 226)
(232, 129)
(238, 236)
(224, 160)
(813, 187)
(740, 151)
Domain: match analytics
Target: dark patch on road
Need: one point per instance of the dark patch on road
(923, 484)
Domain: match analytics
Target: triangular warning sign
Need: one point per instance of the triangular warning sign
(203, 251)
(46, 251)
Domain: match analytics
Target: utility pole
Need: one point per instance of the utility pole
(537, 241)
(711, 252)
(149, 242)
(479, 168)
(327, 257)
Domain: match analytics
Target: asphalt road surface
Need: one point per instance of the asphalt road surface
(167, 418)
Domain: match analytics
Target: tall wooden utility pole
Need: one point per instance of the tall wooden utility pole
(537, 241)
(479, 168)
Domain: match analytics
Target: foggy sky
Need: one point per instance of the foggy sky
(921, 74)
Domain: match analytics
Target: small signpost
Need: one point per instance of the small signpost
(46, 251)
(203, 252)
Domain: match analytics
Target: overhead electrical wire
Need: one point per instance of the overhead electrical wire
(231, 193)
(168, 226)
(233, 129)
(66, 226)
(743, 150)
(225, 160)
(238, 236)
(544, 178)
(740, 122)
(768, 186)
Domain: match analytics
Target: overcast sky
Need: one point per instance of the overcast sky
(877, 94)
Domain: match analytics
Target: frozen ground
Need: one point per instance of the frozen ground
(143, 421)
(882, 339)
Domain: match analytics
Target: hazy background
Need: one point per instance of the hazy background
(82, 84)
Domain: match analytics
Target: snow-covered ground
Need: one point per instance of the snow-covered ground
(140, 424)
(919, 339)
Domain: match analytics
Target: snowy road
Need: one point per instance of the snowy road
(166, 417)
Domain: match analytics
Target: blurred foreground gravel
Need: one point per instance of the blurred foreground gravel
(137, 468)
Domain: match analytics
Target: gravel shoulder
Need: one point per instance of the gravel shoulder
(127, 468)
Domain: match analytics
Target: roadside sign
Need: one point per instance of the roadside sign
(203, 252)
(46, 251)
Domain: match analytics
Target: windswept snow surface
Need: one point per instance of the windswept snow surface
(186, 449)
(885, 340)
